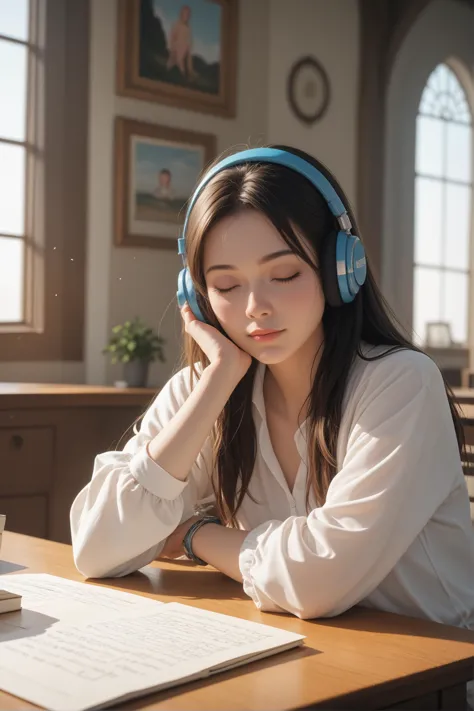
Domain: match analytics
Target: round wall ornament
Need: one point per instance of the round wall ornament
(308, 90)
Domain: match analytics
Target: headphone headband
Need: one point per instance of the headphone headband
(288, 160)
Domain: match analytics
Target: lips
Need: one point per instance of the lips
(265, 335)
(263, 332)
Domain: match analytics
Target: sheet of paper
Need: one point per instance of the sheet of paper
(72, 668)
(48, 599)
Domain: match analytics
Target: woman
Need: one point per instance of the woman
(327, 441)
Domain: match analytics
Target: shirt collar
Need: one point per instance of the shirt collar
(259, 402)
(257, 395)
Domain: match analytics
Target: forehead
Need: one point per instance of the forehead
(244, 237)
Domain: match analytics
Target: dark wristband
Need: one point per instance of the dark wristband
(187, 540)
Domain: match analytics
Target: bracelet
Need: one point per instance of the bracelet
(189, 537)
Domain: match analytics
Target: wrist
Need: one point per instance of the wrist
(202, 536)
(188, 539)
(231, 374)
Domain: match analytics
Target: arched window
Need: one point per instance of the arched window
(443, 193)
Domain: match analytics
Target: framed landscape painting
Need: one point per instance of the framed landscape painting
(156, 171)
(179, 53)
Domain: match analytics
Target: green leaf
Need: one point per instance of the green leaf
(134, 340)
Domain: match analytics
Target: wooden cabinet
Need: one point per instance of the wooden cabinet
(24, 450)
(49, 437)
(28, 514)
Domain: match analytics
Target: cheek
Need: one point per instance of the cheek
(304, 307)
(304, 293)
(224, 309)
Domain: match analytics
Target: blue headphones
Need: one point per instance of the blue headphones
(343, 267)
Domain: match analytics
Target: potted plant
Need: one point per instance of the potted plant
(135, 345)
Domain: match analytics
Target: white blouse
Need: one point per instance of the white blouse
(394, 533)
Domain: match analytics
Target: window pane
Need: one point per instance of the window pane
(457, 226)
(426, 300)
(444, 96)
(429, 146)
(14, 18)
(435, 86)
(428, 221)
(12, 189)
(455, 304)
(458, 164)
(459, 106)
(11, 279)
(441, 78)
(13, 90)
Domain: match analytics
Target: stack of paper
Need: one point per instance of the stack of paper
(9, 601)
(76, 646)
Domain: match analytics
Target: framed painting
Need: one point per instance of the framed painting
(156, 170)
(179, 53)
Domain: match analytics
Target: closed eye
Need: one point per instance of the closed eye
(290, 278)
(225, 291)
(281, 279)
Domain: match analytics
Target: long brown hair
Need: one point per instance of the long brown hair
(289, 201)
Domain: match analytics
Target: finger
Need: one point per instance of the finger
(186, 314)
(189, 318)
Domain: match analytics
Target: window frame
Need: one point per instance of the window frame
(442, 269)
(56, 175)
(404, 88)
(33, 44)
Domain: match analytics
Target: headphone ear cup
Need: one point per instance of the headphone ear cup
(329, 271)
(187, 294)
(181, 292)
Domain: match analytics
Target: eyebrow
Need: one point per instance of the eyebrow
(263, 260)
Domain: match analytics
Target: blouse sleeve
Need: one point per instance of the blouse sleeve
(399, 466)
(121, 519)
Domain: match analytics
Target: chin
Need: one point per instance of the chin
(271, 357)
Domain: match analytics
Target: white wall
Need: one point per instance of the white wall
(122, 282)
(330, 32)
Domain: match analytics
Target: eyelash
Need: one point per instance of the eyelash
(283, 280)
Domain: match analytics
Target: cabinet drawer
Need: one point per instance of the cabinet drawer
(26, 460)
(26, 514)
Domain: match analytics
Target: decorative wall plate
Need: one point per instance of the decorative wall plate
(308, 90)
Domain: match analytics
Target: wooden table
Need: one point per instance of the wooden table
(359, 660)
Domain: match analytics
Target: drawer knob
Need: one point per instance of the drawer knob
(17, 441)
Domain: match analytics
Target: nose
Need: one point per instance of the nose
(257, 305)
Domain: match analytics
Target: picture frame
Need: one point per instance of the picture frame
(182, 54)
(156, 170)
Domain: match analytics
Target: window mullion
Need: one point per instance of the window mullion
(444, 190)
(15, 40)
